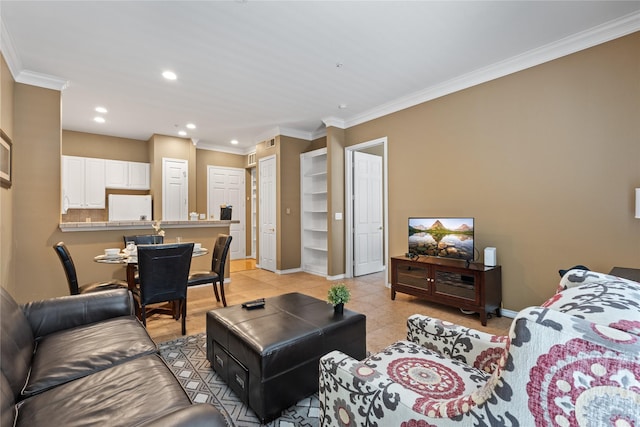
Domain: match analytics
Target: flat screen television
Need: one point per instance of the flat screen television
(442, 237)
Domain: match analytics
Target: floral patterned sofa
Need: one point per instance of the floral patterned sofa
(574, 361)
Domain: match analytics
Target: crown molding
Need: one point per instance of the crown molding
(42, 80)
(319, 133)
(335, 122)
(213, 147)
(295, 133)
(268, 134)
(9, 51)
(26, 76)
(580, 41)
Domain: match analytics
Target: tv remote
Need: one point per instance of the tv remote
(250, 305)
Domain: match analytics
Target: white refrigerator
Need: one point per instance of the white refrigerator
(129, 208)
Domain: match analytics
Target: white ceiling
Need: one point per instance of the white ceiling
(249, 70)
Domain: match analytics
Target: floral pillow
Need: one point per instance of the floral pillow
(609, 301)
(578, 277)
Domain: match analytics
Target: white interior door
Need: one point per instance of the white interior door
(225, 186)
(367, 213)
(175, 201)
(267, 213)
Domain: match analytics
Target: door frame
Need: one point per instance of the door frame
(348, 203)
(259, 220)
(164, 184)
(242, 218)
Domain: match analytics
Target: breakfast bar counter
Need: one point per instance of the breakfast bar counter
(140, 225)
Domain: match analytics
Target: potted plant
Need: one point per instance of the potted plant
(338, 295)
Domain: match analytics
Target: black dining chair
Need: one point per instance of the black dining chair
(216, 274)
(72, 277)
(164, 271)
(144, 239)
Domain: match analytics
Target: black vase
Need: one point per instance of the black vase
(338, 308)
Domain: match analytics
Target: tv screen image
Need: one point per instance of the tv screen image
(442, 237)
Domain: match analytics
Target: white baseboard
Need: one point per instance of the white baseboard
(289, 271)
(508, 313)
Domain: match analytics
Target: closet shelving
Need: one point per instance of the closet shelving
(313, 170)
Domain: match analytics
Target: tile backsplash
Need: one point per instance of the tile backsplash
(81, 215)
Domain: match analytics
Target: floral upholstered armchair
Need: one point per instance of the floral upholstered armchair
(574, 361)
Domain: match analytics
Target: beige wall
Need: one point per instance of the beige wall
(36, 199)
(289, 226)
(206, 158)
(104, 147)
(546, 161)
(287, 151)
(6, 194)
(335, 203)
(163, 146)
(317, 143)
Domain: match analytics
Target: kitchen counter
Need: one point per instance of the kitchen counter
(140, 225)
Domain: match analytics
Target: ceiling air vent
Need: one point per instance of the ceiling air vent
(271, 143)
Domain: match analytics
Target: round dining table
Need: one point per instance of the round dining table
(131, 261)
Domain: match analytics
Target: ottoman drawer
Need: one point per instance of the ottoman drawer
(238, 379)
(232, 372)
(220, 360)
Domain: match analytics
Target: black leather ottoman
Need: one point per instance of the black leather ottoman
(269, 356)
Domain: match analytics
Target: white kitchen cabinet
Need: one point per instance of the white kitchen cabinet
(125, 175)
(83, 183)
(139, 176)
(313, 171)
(116, 173)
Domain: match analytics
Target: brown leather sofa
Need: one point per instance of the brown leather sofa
(86, 360)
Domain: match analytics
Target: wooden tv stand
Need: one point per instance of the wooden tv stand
(472, 286)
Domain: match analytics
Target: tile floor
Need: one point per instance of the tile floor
(386, 319)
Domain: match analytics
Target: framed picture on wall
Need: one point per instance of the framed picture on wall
(5, 159)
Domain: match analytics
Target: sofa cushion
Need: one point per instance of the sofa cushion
(127, 394)
(73, 353)
(608, 301)
(16, 343)
(441, 387)
(66, 312)
(7, 403)
(579, 277)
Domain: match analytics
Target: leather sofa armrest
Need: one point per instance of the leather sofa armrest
(197, 415)
(473, 347)
(57, 314)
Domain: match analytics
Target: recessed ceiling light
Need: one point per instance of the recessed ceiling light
(99, 119)
(191, 126)
(101, 110)
(234, 141)
(342, 106)
(169, 75)
(182, 133)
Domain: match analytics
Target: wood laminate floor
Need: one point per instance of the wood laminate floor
(386, 319)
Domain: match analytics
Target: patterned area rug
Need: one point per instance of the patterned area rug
(187, 358)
